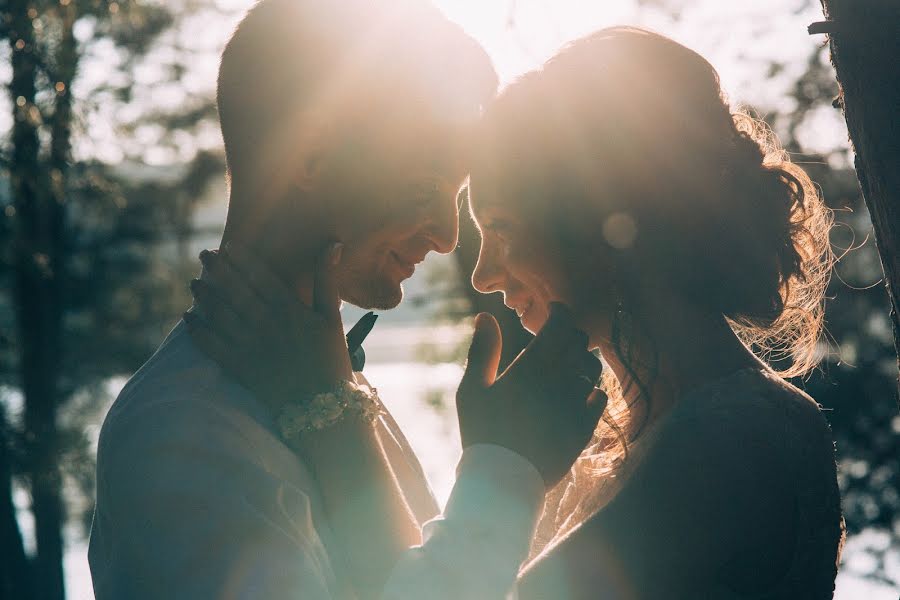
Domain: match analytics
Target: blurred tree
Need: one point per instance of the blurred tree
(15, 580)
(865, 46)
(857, 384)
(87, 283)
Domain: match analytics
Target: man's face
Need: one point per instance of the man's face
(398, 203)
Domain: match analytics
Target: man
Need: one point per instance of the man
(342, 120)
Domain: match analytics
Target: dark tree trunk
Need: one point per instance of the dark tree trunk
(65, 65)
(514, 336)
(37, 234)
(864, 37)
(15, 572)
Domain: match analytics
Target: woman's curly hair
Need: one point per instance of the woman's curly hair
(628, 121)
(784, 324)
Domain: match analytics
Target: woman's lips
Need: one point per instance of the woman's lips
(521, 309)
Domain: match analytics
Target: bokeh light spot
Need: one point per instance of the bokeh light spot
(620, 230)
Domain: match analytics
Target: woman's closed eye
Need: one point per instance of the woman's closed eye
(499, 227)
(424, 193)
(501, 231)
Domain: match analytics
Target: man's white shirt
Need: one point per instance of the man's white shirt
(198, 498)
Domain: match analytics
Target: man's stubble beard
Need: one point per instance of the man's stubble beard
(369, 290)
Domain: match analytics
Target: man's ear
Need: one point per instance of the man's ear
(313, 139)
(309, 167)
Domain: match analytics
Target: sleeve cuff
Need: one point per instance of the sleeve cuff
(498, 495)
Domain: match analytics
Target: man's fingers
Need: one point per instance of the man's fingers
(561, 323)
(326, 297)
(484, 353)
(575, 377)
(573, 360)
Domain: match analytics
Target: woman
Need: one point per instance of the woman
(683, 240)
(617, 180)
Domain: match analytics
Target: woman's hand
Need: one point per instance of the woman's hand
(544, 406)
(256, 327)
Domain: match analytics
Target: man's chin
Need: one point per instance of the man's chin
(384, 303)
(377, 296)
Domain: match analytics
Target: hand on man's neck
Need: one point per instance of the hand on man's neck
(291, 253)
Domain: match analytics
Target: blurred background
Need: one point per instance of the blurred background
(108, 120)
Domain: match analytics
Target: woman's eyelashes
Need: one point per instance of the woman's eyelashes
(498, 227)
(425, 192)
(500, 231)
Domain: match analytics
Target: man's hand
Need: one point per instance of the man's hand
(544, 406)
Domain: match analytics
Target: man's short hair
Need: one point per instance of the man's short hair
(351, 59)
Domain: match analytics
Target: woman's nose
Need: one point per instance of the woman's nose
(487, 276)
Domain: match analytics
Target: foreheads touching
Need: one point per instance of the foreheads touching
(348, 119)
(302, 82)
(620, 162)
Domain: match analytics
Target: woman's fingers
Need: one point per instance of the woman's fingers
(259, 277)
(250, 286)
(484, 354)
(596, 404)
(218, 314)
(232, 287)
(260, 301)
(211, 341)
(326, 297)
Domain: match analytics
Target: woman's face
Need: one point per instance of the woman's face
(520, 260)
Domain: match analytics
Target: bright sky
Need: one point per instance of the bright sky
(741, 39)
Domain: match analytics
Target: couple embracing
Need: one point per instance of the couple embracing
(623, 209)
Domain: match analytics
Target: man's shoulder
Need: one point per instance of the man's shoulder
(185, 459)
(180, 399)
(175, 379)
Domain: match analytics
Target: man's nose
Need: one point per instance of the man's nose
(443, 230)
